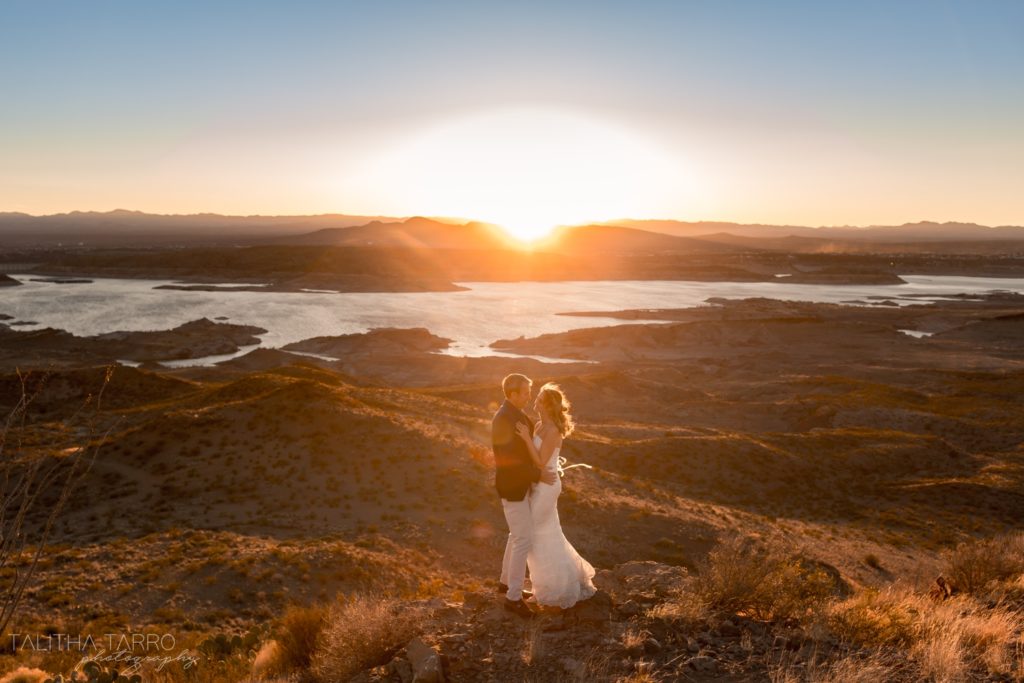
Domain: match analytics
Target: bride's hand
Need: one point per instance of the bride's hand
(523, 431)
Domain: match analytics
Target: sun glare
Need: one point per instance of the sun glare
(527, 170)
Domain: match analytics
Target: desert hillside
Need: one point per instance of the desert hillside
(222, 495)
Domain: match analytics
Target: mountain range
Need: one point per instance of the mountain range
(133, 228)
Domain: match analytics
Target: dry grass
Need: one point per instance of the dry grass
(945, 640)
(874, 618)
(871, 669)
(533, 643)
(361, 632)
(941, 659)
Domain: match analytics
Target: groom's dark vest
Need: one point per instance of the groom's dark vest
(514, 470)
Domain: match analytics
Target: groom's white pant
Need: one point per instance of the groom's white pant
(520, 538)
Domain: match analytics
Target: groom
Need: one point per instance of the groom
(514, 474)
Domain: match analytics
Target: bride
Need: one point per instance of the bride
(559, 575)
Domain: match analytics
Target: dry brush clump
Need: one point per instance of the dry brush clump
(297, 638)
(361, 632)
(979, 564)
(763, 582)
(336, 642)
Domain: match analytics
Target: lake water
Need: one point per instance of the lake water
(488, 311)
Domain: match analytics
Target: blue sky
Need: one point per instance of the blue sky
(785, 111)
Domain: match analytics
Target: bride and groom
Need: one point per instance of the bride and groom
(527, 477)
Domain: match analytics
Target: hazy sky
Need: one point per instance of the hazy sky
(819, 113)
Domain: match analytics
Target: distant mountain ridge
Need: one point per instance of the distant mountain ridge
(415, 232)
(135, 228)
(929, 231)
(121, 226)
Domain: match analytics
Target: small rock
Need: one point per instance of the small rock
(573, 667)
(629, 608)
(728, 629)
(495, 615)
(426, 663)
(477, 600)
(702, 664)
(448, 612)
(652, 646)
(430, 603)
(400, 667)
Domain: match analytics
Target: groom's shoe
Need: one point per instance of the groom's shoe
(519, 607)
(503, 588)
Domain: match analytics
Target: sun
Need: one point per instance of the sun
(527, 170)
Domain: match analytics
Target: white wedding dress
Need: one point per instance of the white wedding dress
(558, 574)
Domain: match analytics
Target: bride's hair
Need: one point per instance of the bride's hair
(557, 406)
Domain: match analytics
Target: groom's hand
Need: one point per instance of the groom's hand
(548, 477)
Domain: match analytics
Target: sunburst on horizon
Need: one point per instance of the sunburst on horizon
(528, 170)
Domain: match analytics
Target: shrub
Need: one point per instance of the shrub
(362, 632)
(764, 583)
(975, 564)
(296, 639)
(874, 618)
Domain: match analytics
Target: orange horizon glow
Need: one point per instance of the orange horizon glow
(529, 170)
(525, 169)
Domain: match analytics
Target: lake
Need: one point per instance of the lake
(486, 312)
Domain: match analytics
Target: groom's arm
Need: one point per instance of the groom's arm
(546, 476)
